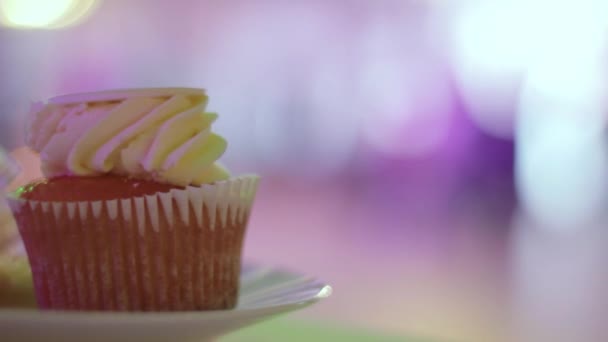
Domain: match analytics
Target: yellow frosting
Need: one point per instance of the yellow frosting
(162, 134)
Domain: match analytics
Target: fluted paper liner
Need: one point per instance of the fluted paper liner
(173, 251)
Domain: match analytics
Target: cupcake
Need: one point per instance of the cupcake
(16, 289)
(8, 231)
(134, 213)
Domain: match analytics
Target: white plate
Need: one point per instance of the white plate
(265, 292)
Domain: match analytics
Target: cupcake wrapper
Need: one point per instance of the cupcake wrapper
(179, 250)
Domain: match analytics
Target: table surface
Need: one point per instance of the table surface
(391, 274)
(295, 330)
(398, 268)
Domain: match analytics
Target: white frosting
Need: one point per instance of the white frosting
(159, 134)
(121, 94)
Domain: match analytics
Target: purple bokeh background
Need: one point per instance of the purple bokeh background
(425, 157)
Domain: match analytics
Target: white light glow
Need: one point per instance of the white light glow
(43, 13)
(488, 38)
(489, 50)
(562, 154)
(505, 36)
(561, 166)
(496, 41)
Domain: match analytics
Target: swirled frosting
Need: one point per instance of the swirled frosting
(157, 134)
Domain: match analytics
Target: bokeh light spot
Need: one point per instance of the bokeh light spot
(43, 14)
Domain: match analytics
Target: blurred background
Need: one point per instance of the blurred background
(443, 164)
